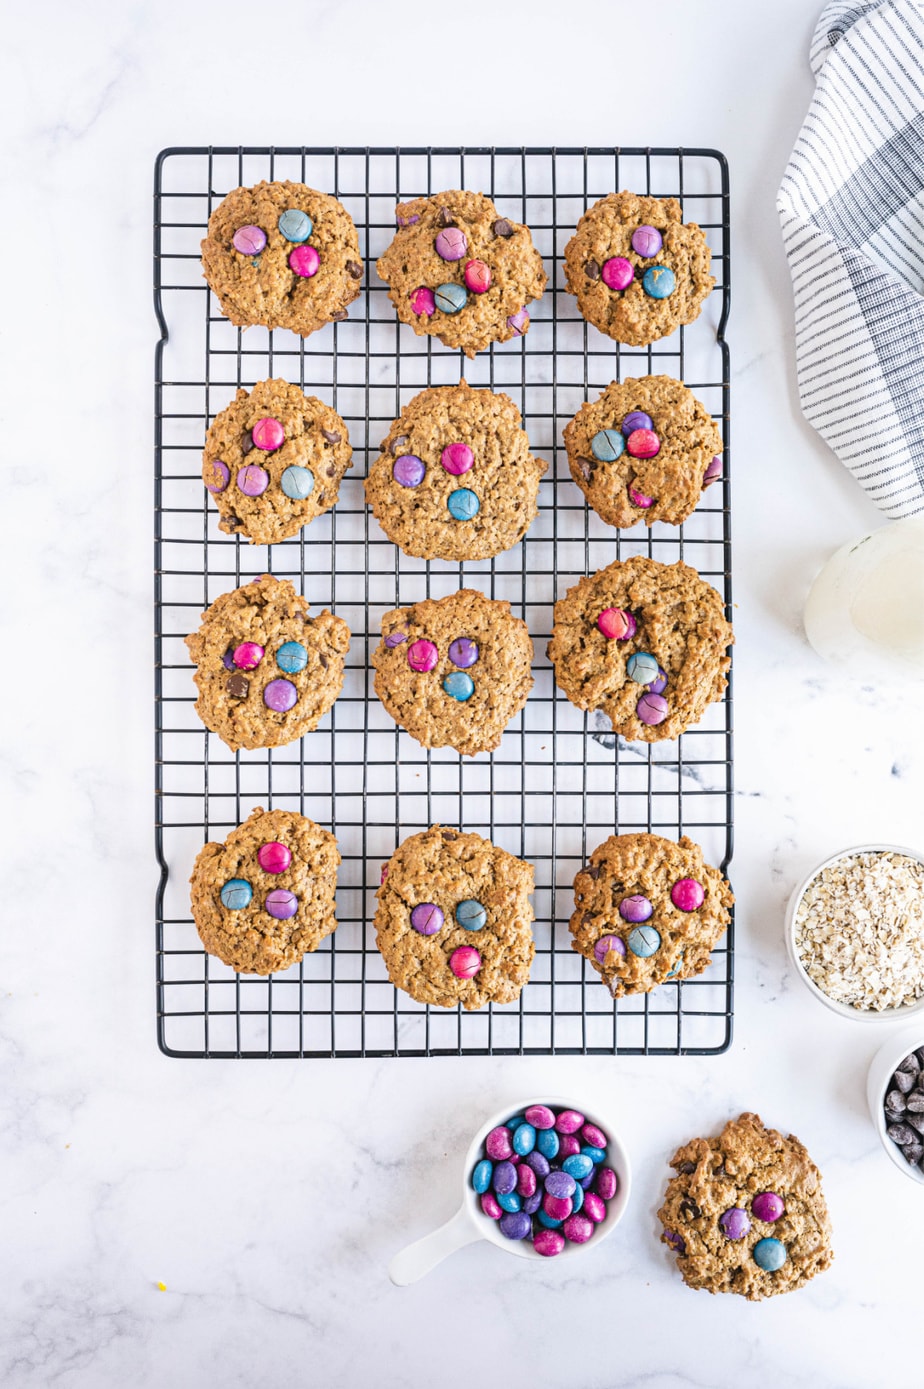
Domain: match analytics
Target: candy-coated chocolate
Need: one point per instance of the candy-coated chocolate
(504, 1178)
(395, 639)
(578, 1166)
(280, 695)
(423, 301)
(676, 1242)
(658, 281)
(588, 1181)
(408, 470)
(220, 475)
(643, 443)
(514, 1123)
(547, 1142)
(642, 668)
(515, 1159)
(450, 298)
(268, 434)
(769, 1254)
(292, 657)
(646, 241)
(672, 973)
(617, 625)
(594, 1207)
(578, 1229)
(407, 221)
(227, 660)
(660, 681)
(768, 1206)
(481, 1175)
(274, 857)
(427, 918)
(578, 1199)
(539, 1164)
(463, 504)
(617, 273)
(304, 261)
(607, 445)
(524, 1140)
(488, 1203)
(687, 895)
(451, 243)
(636, 419)
(295, 225)
(558, 1207)
(281, 904)
(457, 458)
(458, 685)
(644, 941)
(236, 894)
(540, 1116)
(531, 1203)
(560, 1184)
(635, 908)
(463, 652)
(297, 483)
(498, 1145)
(248, 655)
(713, 471)
(526, 1180)
(465, 962)
(569, 1121)
(651, 708)
(735, 1223)
(605, 944)
(594, 1135)
(606, 1183)
(471, 914)
(596, 1155)
(640, 499)
(422, 655)
(249, 240)
(547, 1220)
(515, 1224)
(568, 1144)
(252, 480)
(508, 1200)
(518, 322)
(477, 276)
(549, 1243)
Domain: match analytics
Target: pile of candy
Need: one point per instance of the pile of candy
(544, 1177)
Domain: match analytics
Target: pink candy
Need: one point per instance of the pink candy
(304, 261)
(639, 499)
(569, 1121)
(643, 443)
(498, 1145)
(490, 1207)
(558, 1207)
(617, 273)
(477, 276)
(687, 895)
(465, 962)
(594, 1206)
(606, 1184)
(577, 1228)
(274, 857)
(568, 1145)
(457, 459)
(268, 434)
(526, 1181)
(548, 1243)
(423, 301)
(594, 1136)
(540, 1116)
(247, 656)
(422, 655)
(616, 624)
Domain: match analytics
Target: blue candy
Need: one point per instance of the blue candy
(595, 1154)
(578, 1166)
(463, 504)
(539, 1164)
(459, 685)
(548, 1143)
(236, 894)
(514, 1225)
(297, 483)
(642, 667)
(504, 1179)
(481, 1177)
(508, 1200)
(607, 445)
(532, 1203)
(676, 970)
(514, 1123)
(769, 1254)
(450, 298)
(547, 1220)
(524, 1139)
(295, 225)
(643, 941)
(291, 657)
(658, 281)
(471, 915)
(577, 1200)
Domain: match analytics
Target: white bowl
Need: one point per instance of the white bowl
(845, 1010)
(884, 1063)
(470, 1222)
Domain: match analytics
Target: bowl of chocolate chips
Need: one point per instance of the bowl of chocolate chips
(895, 1090)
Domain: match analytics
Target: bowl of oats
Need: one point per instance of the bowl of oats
(855, 932)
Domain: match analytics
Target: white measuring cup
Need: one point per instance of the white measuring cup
(470, 1222)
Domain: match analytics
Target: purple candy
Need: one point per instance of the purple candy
(605, 944)
(540, 1116)
(221, 475)
(636, 419)
(651, 708)
(463, 652)
(588, 1181)
(518, 322)
(647, 241)
(427, 918)
(409, 470)
(577, 1228)
(497, 1145)
(635, 908)
(735, 1223)
(504, 1178)
(676, 1242)
(548, 1243)
(531, 1203)
(407, 221)
(252, 480)
(281, 903)
(767, 1206)
(595, 1207)
(249, 241)
(569, 1121)
(539, 1164)
(280, 695)
(451, 243)
(395, 638)
(515, 1225)
(607, 1183)
(660, 683)
(560, 1184)
(227, 660)
(713, 472)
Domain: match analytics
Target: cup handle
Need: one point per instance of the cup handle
(422, 1256)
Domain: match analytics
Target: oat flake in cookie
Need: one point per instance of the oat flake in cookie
(455, 478)
(645, 642)
(745, 1213)
(454, 920)
(642, 451)
(265, 897)
(282, 255)
(461, 271)
(266, 672)
(638, 271)
(648, 911)
(273, 461)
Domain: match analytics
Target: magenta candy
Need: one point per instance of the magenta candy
(713, 472)
(395, 639)
(594, 1136)
(647, 241)
(558, 1207)
(652, 708)
(768, 1206)
(577, 1228)
(252, 480)
(540, 1116)
(640, 499)
(274, 857)
(606, 1184)
(568, 1145)
(268, 434)
(548, 1243)
(457, 458)
(617, 625)
(516, 1159)
(526, 1180)
(465, 962)
(383, 874)
(451, 243)
(735, 1223)
(247, 656)
(280, 695)
(250, 241)
(605, 944)
(490, 1207)
(687, 895)
(221, 475)
(422, 655)
(423, 302)
(594, 1207)
(304, 261)
(497, 1145)
(477, 276)
(643, 443)
(617, 273)
(281, 903)
(518, 322)
(569, 1121)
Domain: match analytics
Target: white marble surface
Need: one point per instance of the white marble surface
(269, 1197)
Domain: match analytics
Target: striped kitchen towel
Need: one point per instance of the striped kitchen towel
(851, 207)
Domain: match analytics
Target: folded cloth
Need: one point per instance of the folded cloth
(851, 208)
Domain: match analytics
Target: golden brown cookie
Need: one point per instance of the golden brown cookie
(274, 460)
(282, 255)
(641, 452)
(265, 897)
(433, 883)
(638, 271)
(648, 910)
(459, 270)
(454, 671)
(266, 672)
(745, 1213)
(455, 478)
(645, 642)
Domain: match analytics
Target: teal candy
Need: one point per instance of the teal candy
(481, 1177)
(642, 667)
(450, 298)
(676, 970)
(546, 1220)
(236, 894)
(595, 1154)
(577, 1200)
(297, 483)
(658, 281)
(509, 1201)
(607, 445)
(547, 1141)
(458, 685)
(770, 1254)
(291, 657)
(514, 1123)
(471, 914)
(463, 504)
(644, 941)
(295, 225)
(524, 1139)
(578, 1166)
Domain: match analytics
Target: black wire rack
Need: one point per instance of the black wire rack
(560, 781)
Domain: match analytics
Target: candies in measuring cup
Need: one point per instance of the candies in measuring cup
(545, 1177)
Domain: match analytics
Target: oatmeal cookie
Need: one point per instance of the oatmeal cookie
(638, 271)
(454, 671)
(648, 910)
(282, 255)
(645, 642)
(273, 461)
(265, 897)
(454, 920)
(459, 270)
(745, 1213)
(644, 451)
(266, 672)
(455, 478)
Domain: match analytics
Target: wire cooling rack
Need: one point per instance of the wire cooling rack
(560, 781)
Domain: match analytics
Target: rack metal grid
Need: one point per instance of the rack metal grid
(560, 781)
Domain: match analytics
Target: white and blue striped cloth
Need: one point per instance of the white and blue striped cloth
(851, 207)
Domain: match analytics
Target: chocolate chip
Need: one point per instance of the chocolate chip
(913, 1152)
(916, 1121)
(331, 436)
(331, 471)
(915, 1102)
(234, 521)
(449, 834)
(687, 1167)
(246, 441)
(592, 270)
(720, 1171)
(322, 497)
(895, 1101)
(587, 919)
(238, 685)
(586, 466)
(323, 659)
(445, 217)
(354, 271)
(910, 1064)
(905, 1081)
(899, 1133)
(502, 227)
(339, 317)
(397, 443)
(592, 870)
(690, 1210)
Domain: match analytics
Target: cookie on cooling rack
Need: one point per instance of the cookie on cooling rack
(454, 671)
(455, 478)
(648, 910)
(645, 642)
(644, 451)
(282, 255)
(637, 269)
(454, 920)
(266, 672)
(745, 1212)
(458, 270)
(273, 461)
(265, 897)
